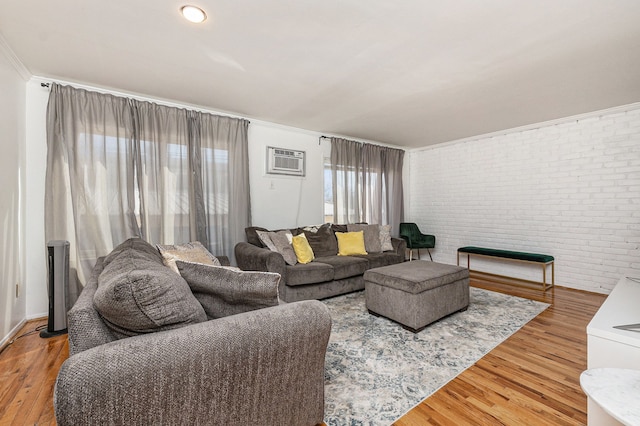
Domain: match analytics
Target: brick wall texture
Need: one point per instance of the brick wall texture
(571, 190)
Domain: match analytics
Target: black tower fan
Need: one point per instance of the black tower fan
(58, 268)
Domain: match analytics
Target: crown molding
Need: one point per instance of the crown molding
(8, 53)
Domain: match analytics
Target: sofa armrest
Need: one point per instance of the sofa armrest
(399, 246)
(86, 327)
(253, 258)
(260, 367)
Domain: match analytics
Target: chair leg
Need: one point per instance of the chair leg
(418, 253)
(429, 251)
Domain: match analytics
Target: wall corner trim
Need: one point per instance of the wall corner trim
(13, 59)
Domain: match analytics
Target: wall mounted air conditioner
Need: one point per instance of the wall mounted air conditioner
(282, 161)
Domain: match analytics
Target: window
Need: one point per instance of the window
(328, 191)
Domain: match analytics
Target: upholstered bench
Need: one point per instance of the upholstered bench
(417, 293)
(544, 260)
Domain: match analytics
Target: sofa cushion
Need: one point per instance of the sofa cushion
(321, 239)
(223, 291)
(309, 273)
(139, 295)
(345, 266)
(371, 236)
(339, 228)
(350, 243)
(252, 235)
(136, 246)
(377, 260)
(190, 252)
(304, 252)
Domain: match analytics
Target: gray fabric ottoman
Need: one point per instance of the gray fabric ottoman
(417, 293)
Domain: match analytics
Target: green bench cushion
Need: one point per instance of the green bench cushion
(531, 257)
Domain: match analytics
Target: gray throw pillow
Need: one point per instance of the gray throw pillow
(385, 238)
(191, 252)
(223, 291)
(137, 295)
(371, 236)
(280, 242)
(265, 239)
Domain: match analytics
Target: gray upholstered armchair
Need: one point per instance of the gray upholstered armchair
(265, 366)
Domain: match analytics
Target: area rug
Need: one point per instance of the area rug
(376, 371)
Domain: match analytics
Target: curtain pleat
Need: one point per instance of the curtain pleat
(367, 183)
(345, 169)
(119, 167)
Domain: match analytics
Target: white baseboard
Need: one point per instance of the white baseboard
(21, 324)
(13, 332)
(42, 315)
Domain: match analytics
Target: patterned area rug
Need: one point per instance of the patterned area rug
(376, 371)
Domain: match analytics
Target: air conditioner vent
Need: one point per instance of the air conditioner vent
(285, 161)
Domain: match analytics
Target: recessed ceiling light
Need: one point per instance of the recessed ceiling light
(193, 14)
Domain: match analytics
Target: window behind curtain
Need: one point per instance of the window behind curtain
(328, 191)
(365, 183)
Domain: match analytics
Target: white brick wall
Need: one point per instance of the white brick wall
(571, 190)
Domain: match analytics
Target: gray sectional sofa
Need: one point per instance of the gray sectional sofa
(147, 346)
(327, 275)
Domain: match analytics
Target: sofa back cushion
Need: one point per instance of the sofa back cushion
(371, 236)
(137, 294)
(225, 291)
(321, 239)
(137, 246)
(252, 235)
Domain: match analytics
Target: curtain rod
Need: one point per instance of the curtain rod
(154, 101)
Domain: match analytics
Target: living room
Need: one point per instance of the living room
(565, 183)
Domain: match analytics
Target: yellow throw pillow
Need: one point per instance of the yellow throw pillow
(350, 243)
(304, 252)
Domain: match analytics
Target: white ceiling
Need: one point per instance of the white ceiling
(410, 72)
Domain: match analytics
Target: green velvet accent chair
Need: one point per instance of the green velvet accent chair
(416, 239)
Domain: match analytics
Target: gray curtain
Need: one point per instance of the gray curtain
(119, 167)
(367, 183)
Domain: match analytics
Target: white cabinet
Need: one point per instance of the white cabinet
(611, 347)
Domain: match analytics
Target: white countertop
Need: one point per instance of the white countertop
(621, 307)
(616, 390)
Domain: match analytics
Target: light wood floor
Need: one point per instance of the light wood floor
(530, 379)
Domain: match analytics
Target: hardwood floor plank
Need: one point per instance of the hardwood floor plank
(30, 366)
(532, 377)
